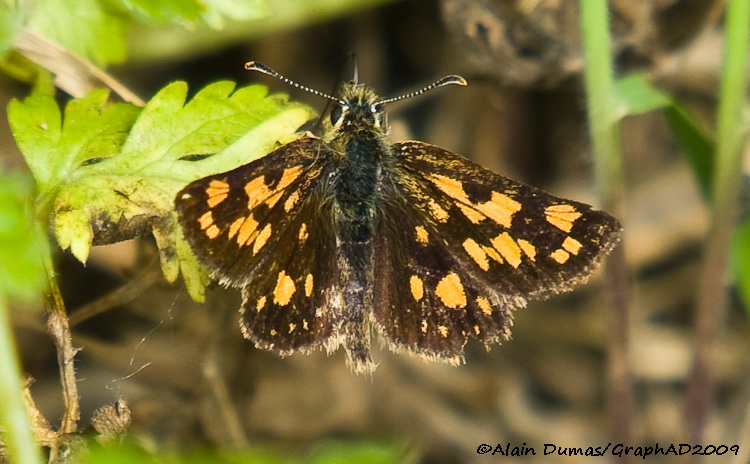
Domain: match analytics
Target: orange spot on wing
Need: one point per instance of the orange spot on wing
(257, 192)
(291, 201)
(484, 305)
(206, 220)
(454, 188)
(308, 285)
(508, 248)
(417, 287)
(422, 235)
(262, 239)
(451, 292)
(247, 230)
(213, 231)
(217, 191)
(437, 211)
(284, 290)
(562, 216)
(560, 255)
(471, 214)
(572, 245)
(235, 226)
(477, 253)
(500, 208)
(528, 248)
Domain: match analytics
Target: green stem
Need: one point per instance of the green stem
(605, 139)
(603, 117)
(730, 144)
(20, 444)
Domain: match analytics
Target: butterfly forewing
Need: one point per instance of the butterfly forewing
(466, 246)
(523, 240)
(257, 228)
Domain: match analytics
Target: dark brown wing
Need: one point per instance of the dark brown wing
(462, 247)
(259, 227)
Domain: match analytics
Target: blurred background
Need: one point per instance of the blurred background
(190, 379)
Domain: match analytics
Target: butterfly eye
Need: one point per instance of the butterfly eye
(336, 114)
(376, 108)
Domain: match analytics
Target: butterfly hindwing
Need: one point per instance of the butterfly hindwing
(424, 301)
(290, 305)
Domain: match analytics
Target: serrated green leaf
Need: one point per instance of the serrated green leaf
(83, 26)
(21, 242)
(93, 130)
(111, 171)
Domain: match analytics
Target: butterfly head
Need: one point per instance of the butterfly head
(358, 108)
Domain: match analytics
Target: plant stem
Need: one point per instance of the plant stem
(731, 138)
(605, 138)
(59, 327)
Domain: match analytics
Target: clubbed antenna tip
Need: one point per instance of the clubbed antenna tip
(447, 80)
(260, 67)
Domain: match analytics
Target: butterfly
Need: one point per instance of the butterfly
(335, 238)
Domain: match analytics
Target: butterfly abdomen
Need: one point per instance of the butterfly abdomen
(357, 199)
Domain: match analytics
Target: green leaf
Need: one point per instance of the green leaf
(237, 10)
(110, 172)
(164, 11)
(93, 130)
(21, 242)
(354, 452)
(696, 144)
(636, 95)
(83, 26)
(192, 12)
(124, 453)
(279, 16)
(369, 452)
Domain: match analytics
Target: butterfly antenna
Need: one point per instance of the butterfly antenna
(447, 80)
(260, 67)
